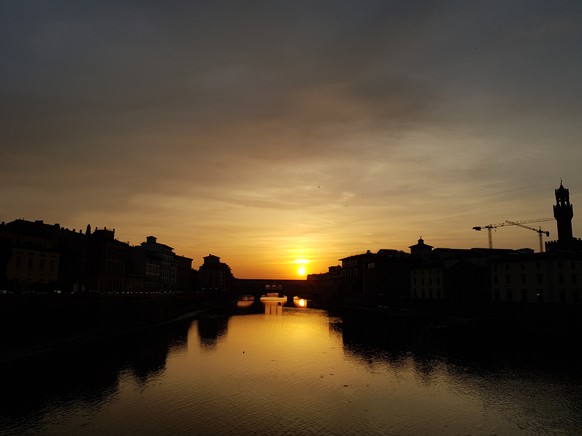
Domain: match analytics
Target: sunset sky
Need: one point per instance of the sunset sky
(266, 132)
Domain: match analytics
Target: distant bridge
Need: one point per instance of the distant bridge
(262, 286)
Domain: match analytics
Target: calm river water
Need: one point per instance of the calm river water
(299, 372)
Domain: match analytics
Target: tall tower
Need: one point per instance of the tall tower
(563, 213)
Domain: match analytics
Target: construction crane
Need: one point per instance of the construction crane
(490, 227)
(539, 230)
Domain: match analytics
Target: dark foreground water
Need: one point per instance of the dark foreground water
(298, 372)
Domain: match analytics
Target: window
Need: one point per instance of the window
(524, 295)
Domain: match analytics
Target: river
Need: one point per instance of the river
(290, 372)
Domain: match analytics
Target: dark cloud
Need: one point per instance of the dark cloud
(88, 70)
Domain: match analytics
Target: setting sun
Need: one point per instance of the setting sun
(301, 269)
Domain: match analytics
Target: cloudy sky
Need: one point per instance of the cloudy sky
(265, 132)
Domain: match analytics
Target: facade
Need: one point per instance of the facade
(460, 275)
(154, 267)
(136, 269)
(214, 274)
(107, 262)
(427, 281)
(30, 256)
(327, 283)
(377, 277)
(160, 265)
(184, 279)
(33, 269)
(538, 278)
(39, 257)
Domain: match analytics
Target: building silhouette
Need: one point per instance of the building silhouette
(475, 275)
(32, 260)
(377, 277)
(564, 212)
(214, 274)
(160, 267)
(107, 262)
(39, 257)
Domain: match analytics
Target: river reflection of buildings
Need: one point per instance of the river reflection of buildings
(502, 378)
(211, 329)
(371, 341)
(89, 373)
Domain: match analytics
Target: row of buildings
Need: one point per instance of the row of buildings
(465, 275)
(40, 257)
